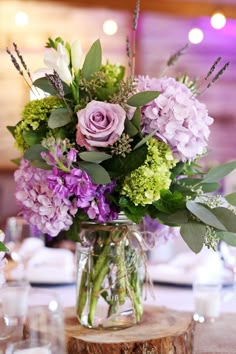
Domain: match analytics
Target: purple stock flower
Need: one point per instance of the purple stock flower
(80, 184)
(56, 182)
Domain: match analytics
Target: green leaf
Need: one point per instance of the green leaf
(121, 166)
(44, 85)
(193, 234)
(199, 183)
(226, 217)
(218, 172)
(137, 118)
(94, 156)
(144, 140)
(178, 218)
(228, 237)
(11, 129)
(34, 152)
(142, 98)
(59, 118)
(97, 173)
(16, 161)
(231, 198)
(132, 211)
(93, 60)
(32, 137)
(205, 215)
(3, 248)
(130, 129)
(41, 164)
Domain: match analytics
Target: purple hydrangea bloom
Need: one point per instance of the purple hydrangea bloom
(40, 205)
(180, 119)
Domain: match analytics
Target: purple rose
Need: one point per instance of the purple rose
(99, 124)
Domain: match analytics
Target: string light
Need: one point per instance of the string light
(218, 20)
(195, 35)
(110, 27)
(21, 19)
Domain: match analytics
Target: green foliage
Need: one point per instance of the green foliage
(142, 98)
(218, 172)
(34, 152)
(93, 60)
(194, 235)
(231, 198)
(94, 156)
(97, 173)
(59, 118)
(121, 166)
(133, 212)
(3, 248)
(205, 215)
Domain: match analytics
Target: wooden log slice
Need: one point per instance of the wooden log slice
(161, 331)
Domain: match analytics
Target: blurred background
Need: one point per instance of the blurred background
(164, 27)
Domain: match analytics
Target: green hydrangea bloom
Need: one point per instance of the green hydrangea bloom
(35, 115)
(113, 73)
(144, 184)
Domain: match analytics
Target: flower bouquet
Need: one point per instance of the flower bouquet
(103, 145)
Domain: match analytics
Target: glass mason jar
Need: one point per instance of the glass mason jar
(110, 274)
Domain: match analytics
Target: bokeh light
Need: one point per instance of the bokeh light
(195, 35)
(110, 27)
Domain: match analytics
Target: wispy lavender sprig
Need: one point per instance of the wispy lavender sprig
(56, 82)
(19, 69)
(215, 78)
(131, 45)
(174, 57)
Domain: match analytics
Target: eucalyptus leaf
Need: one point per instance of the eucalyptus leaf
(231, 198)
(226, 217)
(59, 118)
(205, 215)
(218, 172)
(193, 234)
(44, 85)
(130, 128)
(34, 152)
(94, 156)
(32, 137)
(178, 218)
(142, 98)
(228, 237)
(144, 140)
(93, 60)
(97, 173)
(136, 119)
(16, 161)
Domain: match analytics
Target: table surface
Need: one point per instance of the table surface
(210, 338)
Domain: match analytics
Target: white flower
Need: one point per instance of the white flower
(59, 61)
(76, 55)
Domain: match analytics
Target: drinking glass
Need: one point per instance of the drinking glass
(45, 321)
(13, 311)
(207, 301)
